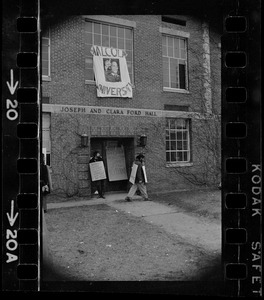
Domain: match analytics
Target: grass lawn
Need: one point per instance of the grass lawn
(205, 203)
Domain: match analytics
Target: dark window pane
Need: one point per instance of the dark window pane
(105, 29)
(128, 44)
(170, 42)
(97, 28)
(185, 156)
(120, 32)
(97, 39)
(179, 145)
(173, 135)
(105, 41)
(172, 124)
(173, 85)
(182, 76)
(170, 51)
(182, 44)
(113, 31)
(121, 43)
(183, 54)
(113, 42)
(173, 145)
(128, 34)
(179, 136)
(168, 156)
(179, 156)
(173, 156)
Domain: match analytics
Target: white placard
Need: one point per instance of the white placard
(116, 164)
(145, 174)
(97, 170)
(133, 173)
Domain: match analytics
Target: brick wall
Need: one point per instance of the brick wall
(67, 86)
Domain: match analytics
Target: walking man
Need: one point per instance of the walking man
(140, 180)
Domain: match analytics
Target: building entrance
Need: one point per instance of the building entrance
(118, 156)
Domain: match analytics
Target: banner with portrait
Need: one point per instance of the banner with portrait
(111, 72)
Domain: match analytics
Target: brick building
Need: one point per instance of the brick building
(174, 66)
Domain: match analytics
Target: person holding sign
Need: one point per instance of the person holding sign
(100, 182)
(138, 179)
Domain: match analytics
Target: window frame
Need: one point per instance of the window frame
(181, 36)
(179, 163)
(116, 23)
(47, 77)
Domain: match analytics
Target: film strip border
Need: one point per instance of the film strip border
(21, 143)
(241, 185)
(241, 149)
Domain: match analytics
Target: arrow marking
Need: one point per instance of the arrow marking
(11, 217)
(11, 85)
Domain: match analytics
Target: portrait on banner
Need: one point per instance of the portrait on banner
(112, 70)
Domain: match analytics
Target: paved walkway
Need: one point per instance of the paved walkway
(196, 230)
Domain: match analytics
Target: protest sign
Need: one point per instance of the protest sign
(133, 173)
(97, 170)
(145, 174)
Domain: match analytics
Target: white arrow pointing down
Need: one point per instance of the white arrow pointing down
(11, 85)
(12, 217)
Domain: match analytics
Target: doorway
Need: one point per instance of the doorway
(124, 147)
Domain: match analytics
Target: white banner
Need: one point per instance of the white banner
(111, 73)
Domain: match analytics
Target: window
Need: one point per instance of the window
(107, 35)
(173, 20)
(45, 56)
(46, 145)
(177, 140)
(174, 54)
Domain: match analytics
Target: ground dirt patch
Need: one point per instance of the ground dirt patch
(100, 243)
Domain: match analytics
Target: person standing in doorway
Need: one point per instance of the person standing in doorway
(99, 183)
(140, 180)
